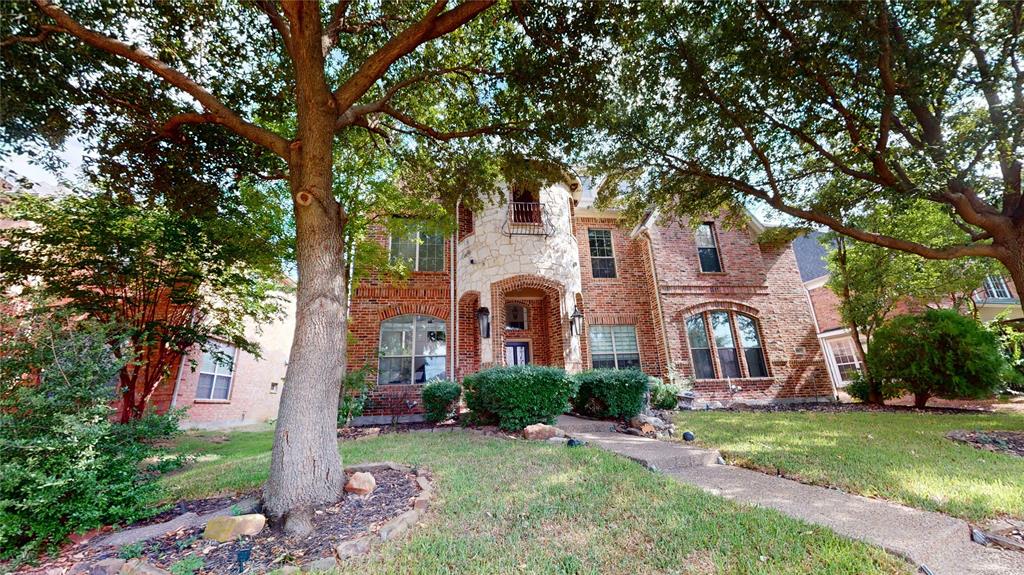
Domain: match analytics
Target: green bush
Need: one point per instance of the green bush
(65, 466)
(617, 393)
(515, 397)
(441, 400)
(939, 353)
(355, 390)
(663, 395)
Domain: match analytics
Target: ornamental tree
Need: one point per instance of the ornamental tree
(823, 109)
(303, 93)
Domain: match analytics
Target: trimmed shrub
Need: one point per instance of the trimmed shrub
(65, 467)
(441, 400)
(860, 388)
(939, 353)
(663, 395)
(617, 393)
(515, 397)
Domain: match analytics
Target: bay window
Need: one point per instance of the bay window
(716, 351)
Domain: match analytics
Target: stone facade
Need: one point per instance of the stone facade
(657, 285)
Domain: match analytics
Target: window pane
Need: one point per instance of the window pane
(515, 316)
(721, 329)
(396, 336)
(695, 332)
(403, 250)
(429, 368)
(600, 339)
(207, 364)
(602, 267)
(628, 360)
(221, 387)
(702, 365)
(747, 327)
(603, 361)
(394, 370)
(755, 362)
(847, 371)
(431, 253)
(205, 387)
(996, 287)
(705, 236)
(600, 243)
(709, 261)
(729, 362)
(625, 339)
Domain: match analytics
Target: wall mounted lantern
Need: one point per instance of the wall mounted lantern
(576, 319)
(483, 317)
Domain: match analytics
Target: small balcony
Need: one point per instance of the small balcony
(526, 219)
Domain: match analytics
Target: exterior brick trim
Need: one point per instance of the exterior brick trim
(717, 305)
(413, 308)
(557, 328)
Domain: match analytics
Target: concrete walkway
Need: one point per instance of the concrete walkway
(940, 543)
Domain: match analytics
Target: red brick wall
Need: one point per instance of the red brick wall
(826, 308)
(760, 281)
(624, 299)
(537, 322)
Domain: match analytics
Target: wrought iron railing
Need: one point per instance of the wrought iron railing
(526, 218)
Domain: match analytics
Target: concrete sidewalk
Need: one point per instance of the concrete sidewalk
(937, 541)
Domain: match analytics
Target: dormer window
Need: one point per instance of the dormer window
(515, 316)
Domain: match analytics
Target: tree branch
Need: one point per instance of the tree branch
(269, 8)
(224, 115)
(431, 132)
(45, 31)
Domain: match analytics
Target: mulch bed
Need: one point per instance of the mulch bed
(271, 548)
(1009, 442)
(852, 407)
(352, 432)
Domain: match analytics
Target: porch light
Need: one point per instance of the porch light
(576, 319)
(483, 317)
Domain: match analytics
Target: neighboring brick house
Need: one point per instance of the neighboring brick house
(996, 298)
(545, 278)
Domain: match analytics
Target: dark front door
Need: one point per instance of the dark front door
(517, 353)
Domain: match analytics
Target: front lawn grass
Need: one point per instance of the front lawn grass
(902, 457)
(519, 507)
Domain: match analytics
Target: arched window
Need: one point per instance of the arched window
(412, 350)
(723, 335)
(515, 316)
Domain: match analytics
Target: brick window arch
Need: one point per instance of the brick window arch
(725, 344)
(412, 350)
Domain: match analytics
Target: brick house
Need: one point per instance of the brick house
(544, 277)
(996, 298)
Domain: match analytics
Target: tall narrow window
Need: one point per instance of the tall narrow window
(730, 335)
(602, 256)
(728, 361)
(412, 350)
(995, 287)
(420, 251)
(515, 316)
(847, 362)
(750, 340)
(700, 348)
(216, 371)
(613, 347)
(707, 248)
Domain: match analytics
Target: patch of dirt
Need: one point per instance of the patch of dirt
(197, 506)
(271, 548)
(1009, 442)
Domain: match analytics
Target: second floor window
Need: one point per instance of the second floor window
(420, 251)
(602, 257)
(995, 287)
(730, 334)
(707, 248)
(216, 370)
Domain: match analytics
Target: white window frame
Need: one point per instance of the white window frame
(611, 244)
(996, 288)
(848, 341)
(216, 372)
(526, 316)
(416, 259)
(615, 350)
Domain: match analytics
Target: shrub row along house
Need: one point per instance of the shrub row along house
(545, 278)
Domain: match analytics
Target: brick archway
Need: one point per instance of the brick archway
(552, 345)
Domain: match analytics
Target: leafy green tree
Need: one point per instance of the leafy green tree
(313, 96)
(822, 110)
(939, 353)
(173, 282)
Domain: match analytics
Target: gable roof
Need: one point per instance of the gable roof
(811, 256)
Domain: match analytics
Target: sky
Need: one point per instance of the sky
(72, 154)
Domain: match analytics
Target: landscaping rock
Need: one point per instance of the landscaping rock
(361, 483)
(542, 432)
(399, 525)
(421, 503)
(353, 548)
(108, 566)
(140, 567)
(424, 484)
(322, 564)
(558, 440)
(646, 428)
(229, 528)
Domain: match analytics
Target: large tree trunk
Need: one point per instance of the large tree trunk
(1014, 262)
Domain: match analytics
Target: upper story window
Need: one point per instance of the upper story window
(602, 256)
(420, 251)
(216, 371)
(613, 347)
(707, 248)
(515, 316)
(995, 287)
(525, 206)
(730, 333)
(412, 350)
